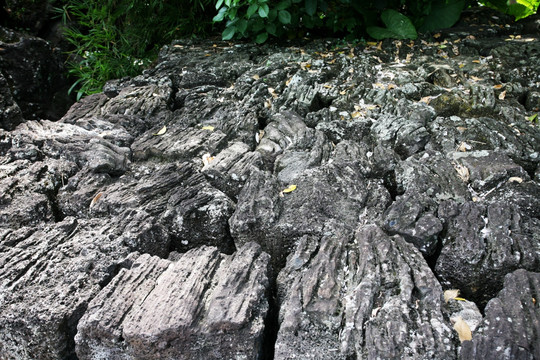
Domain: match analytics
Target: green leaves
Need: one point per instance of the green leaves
(263, 10)
(443, 14)
(311, 7)
(398, 26)
(519, 9)
(284, 17)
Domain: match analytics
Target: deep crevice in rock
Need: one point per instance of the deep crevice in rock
(271, 323)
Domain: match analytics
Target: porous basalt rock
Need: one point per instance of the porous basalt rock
(309, 200)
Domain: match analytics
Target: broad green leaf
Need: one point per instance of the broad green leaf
(311, 7)
(271, 29)
(272, 15)
(283, 5)
(264, 10)
(218, 4)
(284, 17)
(228, 33)
(522, 9)
(443, 15)
(398, 26)
(252, 9)
(228, 3)
(262, 37)
(257, 25)
(220, 15)
(241, 26)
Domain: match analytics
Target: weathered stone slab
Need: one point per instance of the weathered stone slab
(200, 305)
(47, 277)
(366, 295)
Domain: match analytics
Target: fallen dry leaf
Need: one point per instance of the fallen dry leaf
(462, 171)
(450, 294)
(161, 132)
(463, 329)
(208, 127)
(207, 159)
(515, 179)
(497, 87)
(272, 92)
(502, 95)
(96, 198)
(256, 77)
(463, 147)
(289, 189)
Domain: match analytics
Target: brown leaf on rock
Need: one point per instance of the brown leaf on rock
(463, 329)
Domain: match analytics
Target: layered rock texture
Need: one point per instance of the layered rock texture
(298, 201)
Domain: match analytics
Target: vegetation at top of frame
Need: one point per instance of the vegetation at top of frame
(117, 38)
(380, 19)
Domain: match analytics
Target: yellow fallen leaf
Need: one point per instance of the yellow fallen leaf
(502, 95)
(371, 43)
(343, 92)
(255, 77)
(161, 132)
(463, 330)
(476, 61)
(475, 78)
(356, 114)
(450, 294)
(305, 65)
(208, 127)
(289, 189)
(498, 86)
(460, 299)
(327, 86)
(461, 66)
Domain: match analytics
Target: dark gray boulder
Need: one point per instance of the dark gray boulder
(35, 76)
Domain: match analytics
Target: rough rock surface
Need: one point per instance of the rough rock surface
(301, 201)
(162, 309)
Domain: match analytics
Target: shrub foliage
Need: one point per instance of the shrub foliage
(117, 38)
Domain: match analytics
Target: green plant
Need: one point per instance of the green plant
(518, 8)
(117, 38)
(399, 19)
